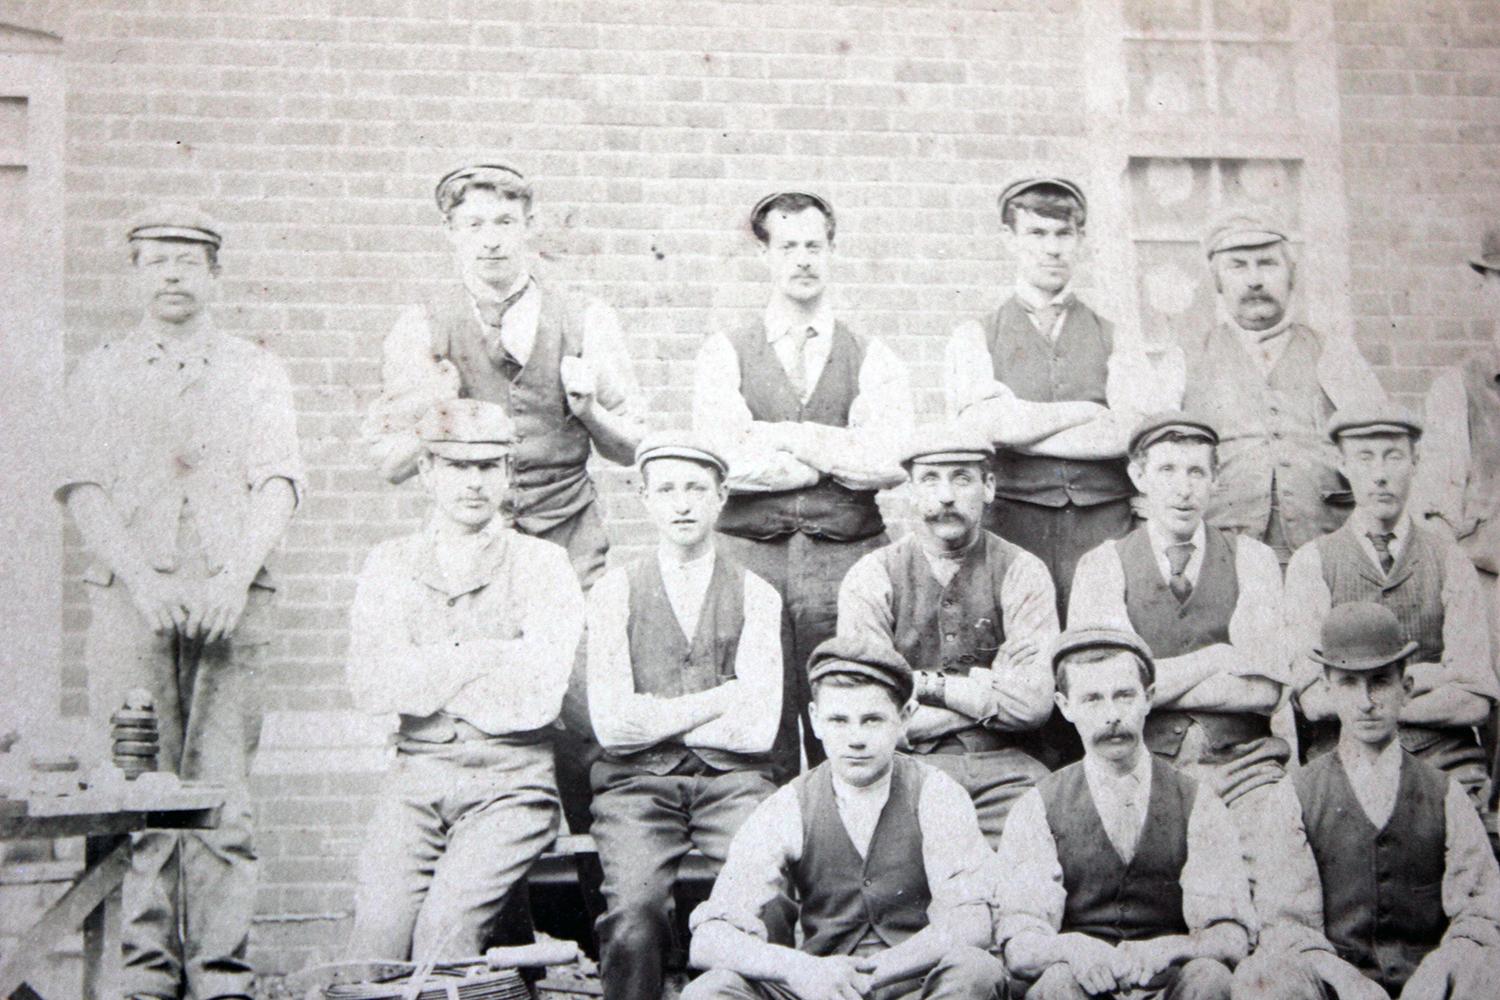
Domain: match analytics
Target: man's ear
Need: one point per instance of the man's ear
(1408, 682)
(812, 717)
(1060, 699)
(908, 710)
(989, 487)
(1136, 471)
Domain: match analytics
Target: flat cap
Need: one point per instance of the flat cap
(175, 222)
(1366, 421)
(466, 430)
(867, 657)
(679, 444)
(762, 207)
(490, 173)
(1077, 640)
(1159, 425)
(1361, 635)
(1016, 188)
(1237, 228)
(946, 442)
(1488, 260)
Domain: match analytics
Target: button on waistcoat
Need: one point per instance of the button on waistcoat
(1074, 367)
(550, 481)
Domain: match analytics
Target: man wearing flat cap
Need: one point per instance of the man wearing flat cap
(882, 853)
(1119, 876)
(1270, 384)
(181, 471)
(808, 414)
(685, 679)
(973, 614)
(1388, 886)
(1382, 555)
(1458, 484)
(465, 632)
(1208, 604)
(1055, 386)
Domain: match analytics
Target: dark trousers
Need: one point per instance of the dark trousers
(994, 780)
(806, 572)
(643, 826)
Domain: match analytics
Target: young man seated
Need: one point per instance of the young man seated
(1119, 876)
(1423, 577)
(1388, 887)
(684, 669)
(466, 631)
(882, 853)
(974, 615)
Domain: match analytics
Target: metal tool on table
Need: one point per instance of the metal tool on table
(494, 975)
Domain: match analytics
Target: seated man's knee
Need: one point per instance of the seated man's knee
(1476, 979)
(970, 973)
(1056, 983)
(636, 923)
(1202, 979)
(718, 984)
(1265, 976)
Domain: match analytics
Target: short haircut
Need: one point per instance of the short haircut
(842, 679)
(209, 249)
(791, 202)
(1140, 451)
(1051, 201)
(507, 186)
(1098, 655)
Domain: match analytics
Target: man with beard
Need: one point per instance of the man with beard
(1208, 604)
(1055, 386)
(809, 415)
(685, 692)
(1269, 384)
(1389, 886)
(882, 853)
(1381, 555)
(1119, 876)
(181, 473)
(973, 614)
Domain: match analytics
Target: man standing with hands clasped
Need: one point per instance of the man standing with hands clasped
(181, 473)
(1119, 876)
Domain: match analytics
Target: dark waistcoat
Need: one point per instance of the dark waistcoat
(550, 481)
(1382, 889)
(827, 509)
(1107, 898)
(845, 897)
(1413, 591)
(1074, 367)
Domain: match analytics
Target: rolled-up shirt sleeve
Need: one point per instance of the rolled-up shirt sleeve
(1017, 696)
(412, 381)
(881, 417)
(1215, 884)
(1471, 878)
(1466, 633)
(1288, 893)
(85, 455)
(954, 853)
(757, 868)
(1257, 630)
(751, 729)
(274, 451)
(1027, 896)
(968, 371)
(604, 347)
(1307, 603)
(1098, 594)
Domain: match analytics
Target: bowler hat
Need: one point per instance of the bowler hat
(1361, 635)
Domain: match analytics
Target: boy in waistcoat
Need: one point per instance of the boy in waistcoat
(1382, 555)
(1208, 604)
(465, 631)
(685, 685)
(1389, 886)
(1269, 385)
(1119, 876)
(974, 615)
(882, 853)
(1055, 386)
(809, 414)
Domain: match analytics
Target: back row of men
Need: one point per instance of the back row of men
(183, 472)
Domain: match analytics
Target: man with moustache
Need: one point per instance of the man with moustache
(181, 472)
(685, 678)
(809, 415)
(465, 631)
(1055, 386)
(1269, 385)
(1120, 876)
(882, 853)
(1382, 555)
(973, 614)
(1390, 888)
(1208, 604)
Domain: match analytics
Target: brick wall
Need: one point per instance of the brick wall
(315, 128)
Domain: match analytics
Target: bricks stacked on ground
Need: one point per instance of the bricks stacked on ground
(315, 129)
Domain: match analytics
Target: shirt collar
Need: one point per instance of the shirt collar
(1159, 540)
(703, 564)
(154, 346)
(1254, 338)
(1387, 763)
(482, 292)
(1032, 298)
(1364, 525)
(490, 549)
(781, 318)
(877, 790)
(1100, 775)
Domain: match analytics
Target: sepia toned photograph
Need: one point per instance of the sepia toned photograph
(750, 499)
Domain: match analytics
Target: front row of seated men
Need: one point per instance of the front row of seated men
(1119, 875)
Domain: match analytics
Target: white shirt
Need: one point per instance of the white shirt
(859, 809)
(782, 322)
(1375, 782)
(1121, 800)
(686, 584)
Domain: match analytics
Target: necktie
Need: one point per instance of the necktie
(491, 313)
(1382, 542)
(1177, 559)
(797, 367)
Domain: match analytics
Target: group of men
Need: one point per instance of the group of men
(910, 779)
